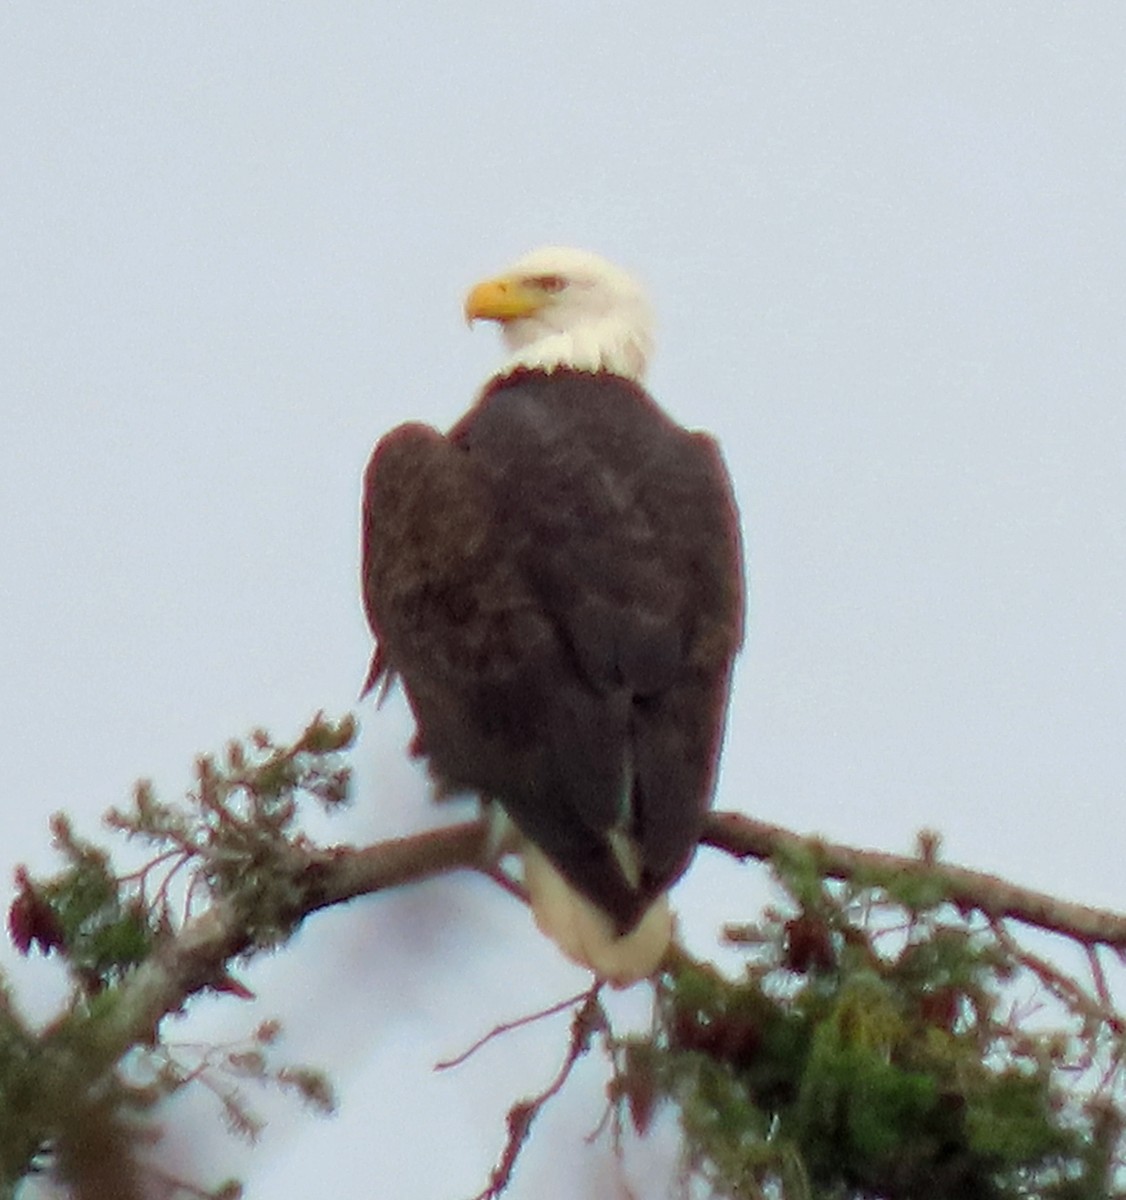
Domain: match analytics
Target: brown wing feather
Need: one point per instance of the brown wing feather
(497, 707)
(558, 583)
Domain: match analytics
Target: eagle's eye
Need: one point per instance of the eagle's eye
(548, 283)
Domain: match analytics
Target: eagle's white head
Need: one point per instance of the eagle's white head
(567, 308)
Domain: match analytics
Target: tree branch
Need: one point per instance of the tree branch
(996, 898)
(84, 1044)
(197, 956)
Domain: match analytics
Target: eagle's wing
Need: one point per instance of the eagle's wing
(499, 706)
(677, 730)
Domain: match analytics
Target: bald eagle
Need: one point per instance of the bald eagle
(557, 581)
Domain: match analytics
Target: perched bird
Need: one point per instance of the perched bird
(558, 583)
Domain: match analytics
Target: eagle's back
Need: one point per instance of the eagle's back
(558, 582)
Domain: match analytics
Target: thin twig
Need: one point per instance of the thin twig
(587, 1021)
(507, 1027)
(1061, 985)
(1102, 989)
(502, 879)
(141, 873)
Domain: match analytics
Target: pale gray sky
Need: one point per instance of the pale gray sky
(887, 247)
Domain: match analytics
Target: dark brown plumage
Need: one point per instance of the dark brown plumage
(558, 584)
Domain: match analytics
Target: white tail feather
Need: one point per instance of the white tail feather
(585, 934)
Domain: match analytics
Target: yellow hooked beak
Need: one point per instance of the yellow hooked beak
(506, 298)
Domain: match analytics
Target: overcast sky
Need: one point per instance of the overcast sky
(887, 247)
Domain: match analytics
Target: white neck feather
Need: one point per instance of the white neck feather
(609, 344)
